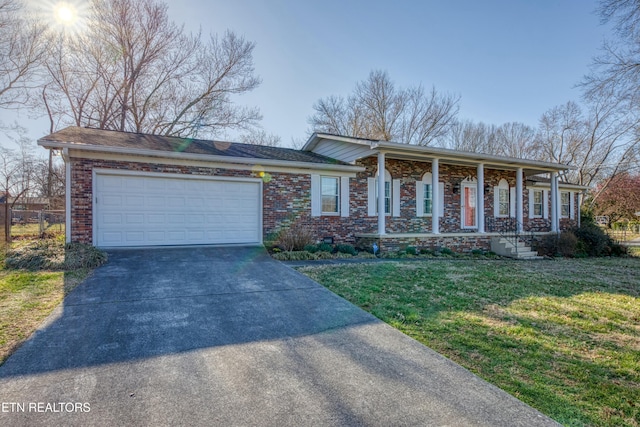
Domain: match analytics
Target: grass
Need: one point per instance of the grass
(32, 230)
(562, 336)
(34, 278)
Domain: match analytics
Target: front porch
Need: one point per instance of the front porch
(457, 242)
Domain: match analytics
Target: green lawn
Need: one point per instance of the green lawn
(29, 293)
(562, 335)
(33, 229)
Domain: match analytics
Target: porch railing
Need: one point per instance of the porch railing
(511, 230)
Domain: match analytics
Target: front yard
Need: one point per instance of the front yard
(34, 278)
(561, 335)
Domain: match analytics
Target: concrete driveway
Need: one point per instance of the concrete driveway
(227, 336)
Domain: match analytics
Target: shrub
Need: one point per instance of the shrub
(619, 250)
(325, 247)
(595, 242)
(548, 245)
(411, 250)
(342, 255)
(424, 251)
(324, 255)
(294, 256)
(79, 255)
(586, 240)
(477, 252)
(311, 248)
(52, 254)
(346, 249)
(295, 238)
(567, 243)
(446, 251)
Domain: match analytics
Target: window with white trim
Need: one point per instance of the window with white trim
(387, 197)
(565, 204)
(425, 203)
(428, 198)
(502, 199)
(329, 195)
(330, 190)
(537, 203)
(503, 202)
(391, 195)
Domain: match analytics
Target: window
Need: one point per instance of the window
(503, 202)
(330, 190)
(387, 197)
(428, 199)
(565, 204)
(425, 193)
(391, 195)
(329, 195)
(537, 203)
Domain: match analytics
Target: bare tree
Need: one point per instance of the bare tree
(377, 109)
(596, 143)
(135, 70)
(260, 137)
(514, 139)
(15, 176)
(21, 50)
(48, 182)
(472, 137)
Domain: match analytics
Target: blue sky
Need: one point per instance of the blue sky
(509, 60)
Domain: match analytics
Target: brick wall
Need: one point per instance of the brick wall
(455, 243)
(287, 199)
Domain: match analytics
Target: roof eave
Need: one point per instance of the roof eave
(469, 156)
(436, 152)
(201, 157)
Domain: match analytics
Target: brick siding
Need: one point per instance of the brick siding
(287, 200)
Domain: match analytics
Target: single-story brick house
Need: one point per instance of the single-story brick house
(128, 189)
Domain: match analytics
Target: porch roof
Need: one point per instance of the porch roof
(350, 149)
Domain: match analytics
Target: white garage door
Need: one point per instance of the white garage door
(133, 210)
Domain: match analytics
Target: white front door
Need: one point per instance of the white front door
(469, 203)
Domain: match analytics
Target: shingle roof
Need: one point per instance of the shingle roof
(78, 137)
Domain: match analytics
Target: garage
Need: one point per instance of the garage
(147, 209)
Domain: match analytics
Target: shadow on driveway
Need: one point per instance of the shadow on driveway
(227, 336)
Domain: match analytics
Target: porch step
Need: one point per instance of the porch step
(508, 248)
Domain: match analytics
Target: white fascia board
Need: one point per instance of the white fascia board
(566, 186)
(489, 159)
(441, 153)
(200, 157)
(317, 137)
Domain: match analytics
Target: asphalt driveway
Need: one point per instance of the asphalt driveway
(227, 336)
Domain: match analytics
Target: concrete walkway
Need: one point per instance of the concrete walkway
(229, 337)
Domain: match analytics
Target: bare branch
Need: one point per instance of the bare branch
(135, 70)
(377, 109)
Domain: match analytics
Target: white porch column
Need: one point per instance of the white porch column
(554, 202)
(480, 198)
(519, 200)
(381, 210)
(435, 197)
(579, 208)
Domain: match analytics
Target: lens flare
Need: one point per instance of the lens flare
(66, 14)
